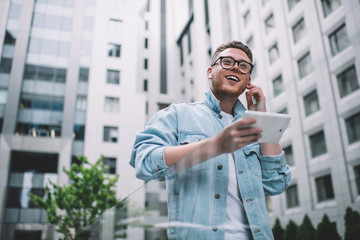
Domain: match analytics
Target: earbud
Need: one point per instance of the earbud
(209, 77)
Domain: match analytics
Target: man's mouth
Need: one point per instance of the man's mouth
(232, 78)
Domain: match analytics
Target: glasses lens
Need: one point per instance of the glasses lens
(244, 67)
(227, 62)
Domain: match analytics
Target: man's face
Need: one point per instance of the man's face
(228, 82)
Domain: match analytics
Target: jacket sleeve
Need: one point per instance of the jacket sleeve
(147, 155)
(276, 175)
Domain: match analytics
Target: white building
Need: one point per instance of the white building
(306, 56)
(67, 88)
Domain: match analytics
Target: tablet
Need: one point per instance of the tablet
(273, 124)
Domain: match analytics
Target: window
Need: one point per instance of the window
(110, 134)
(269, 23)
(81, 103)
(10, 39)
(329, 6)
(299, 30)
(146, 43)
(189, 40)
(1, 124)
(111, 163)
(292, 3)
(353, 127)
(3, 95)
(347, 81)
(38, 130)
(317, 144)
(114, 50)
(113, 76)
(246, 18)
(145, 63)
(29, 173)
(145, 85)
(79, 132)
(27, 234)
(111, 105)
(278, 85)
(289, 155)
(15, 11)
(41, 102)
(292, 199)
(357, 178)
(83, 74)
(339, 40)
(5, 65)
(324, 188)
(273, 53)
(50, 74)
(305, 65)
(115, 26)
(311, 103)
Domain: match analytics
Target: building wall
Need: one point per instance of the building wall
(245, 21)
(93, 25)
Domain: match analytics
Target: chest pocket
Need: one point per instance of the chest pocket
(186, 138)
(252, 159)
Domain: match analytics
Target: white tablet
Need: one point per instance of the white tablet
(273, 124)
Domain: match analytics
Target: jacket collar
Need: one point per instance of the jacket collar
(214, 104)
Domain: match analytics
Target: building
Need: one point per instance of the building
(67, 88)
(78, 75)
(306, 57)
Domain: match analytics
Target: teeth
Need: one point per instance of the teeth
(233, 78)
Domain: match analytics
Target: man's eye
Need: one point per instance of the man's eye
(227, 62)
(243, 65)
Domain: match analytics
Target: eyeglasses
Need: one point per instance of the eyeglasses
(228, 63)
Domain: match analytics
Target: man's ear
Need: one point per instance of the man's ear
(249, 82)
(208, 73)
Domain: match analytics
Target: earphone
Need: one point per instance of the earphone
(209, 77)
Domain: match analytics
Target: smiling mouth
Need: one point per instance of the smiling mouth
(233, 78)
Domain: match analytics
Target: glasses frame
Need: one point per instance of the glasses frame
(235, 61)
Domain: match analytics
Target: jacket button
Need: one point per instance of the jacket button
(217, 196)
(240, 172)
(219, 116)
(214, 228)
(219, 167)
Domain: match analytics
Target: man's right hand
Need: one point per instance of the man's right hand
(237, 135)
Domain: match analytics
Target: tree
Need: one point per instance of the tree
(326, 230)
(352, 224)
(290, 231)
(306, 230)
(73, 207)
(277, 230)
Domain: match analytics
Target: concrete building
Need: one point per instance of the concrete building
(67, 88)
(69, 82)
(306, 56)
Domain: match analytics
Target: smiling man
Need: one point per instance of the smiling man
(216, 173)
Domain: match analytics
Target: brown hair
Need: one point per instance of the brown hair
(232, 44)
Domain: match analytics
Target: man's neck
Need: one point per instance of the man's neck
(227, 105)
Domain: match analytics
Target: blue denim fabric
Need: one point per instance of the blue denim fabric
(194, 211)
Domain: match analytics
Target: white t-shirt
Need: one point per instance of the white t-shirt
(236, 225)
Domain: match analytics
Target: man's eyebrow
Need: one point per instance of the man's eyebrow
(244, 60)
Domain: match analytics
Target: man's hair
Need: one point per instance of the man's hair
(232, 44)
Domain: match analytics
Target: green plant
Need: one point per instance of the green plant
(290, 231)
(326, 230)
(77, 205)
(277, 230)
(306, 230)
(352, 224)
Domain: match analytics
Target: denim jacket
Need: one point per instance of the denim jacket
(197, 196)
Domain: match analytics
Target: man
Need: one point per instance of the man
(216, 174)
